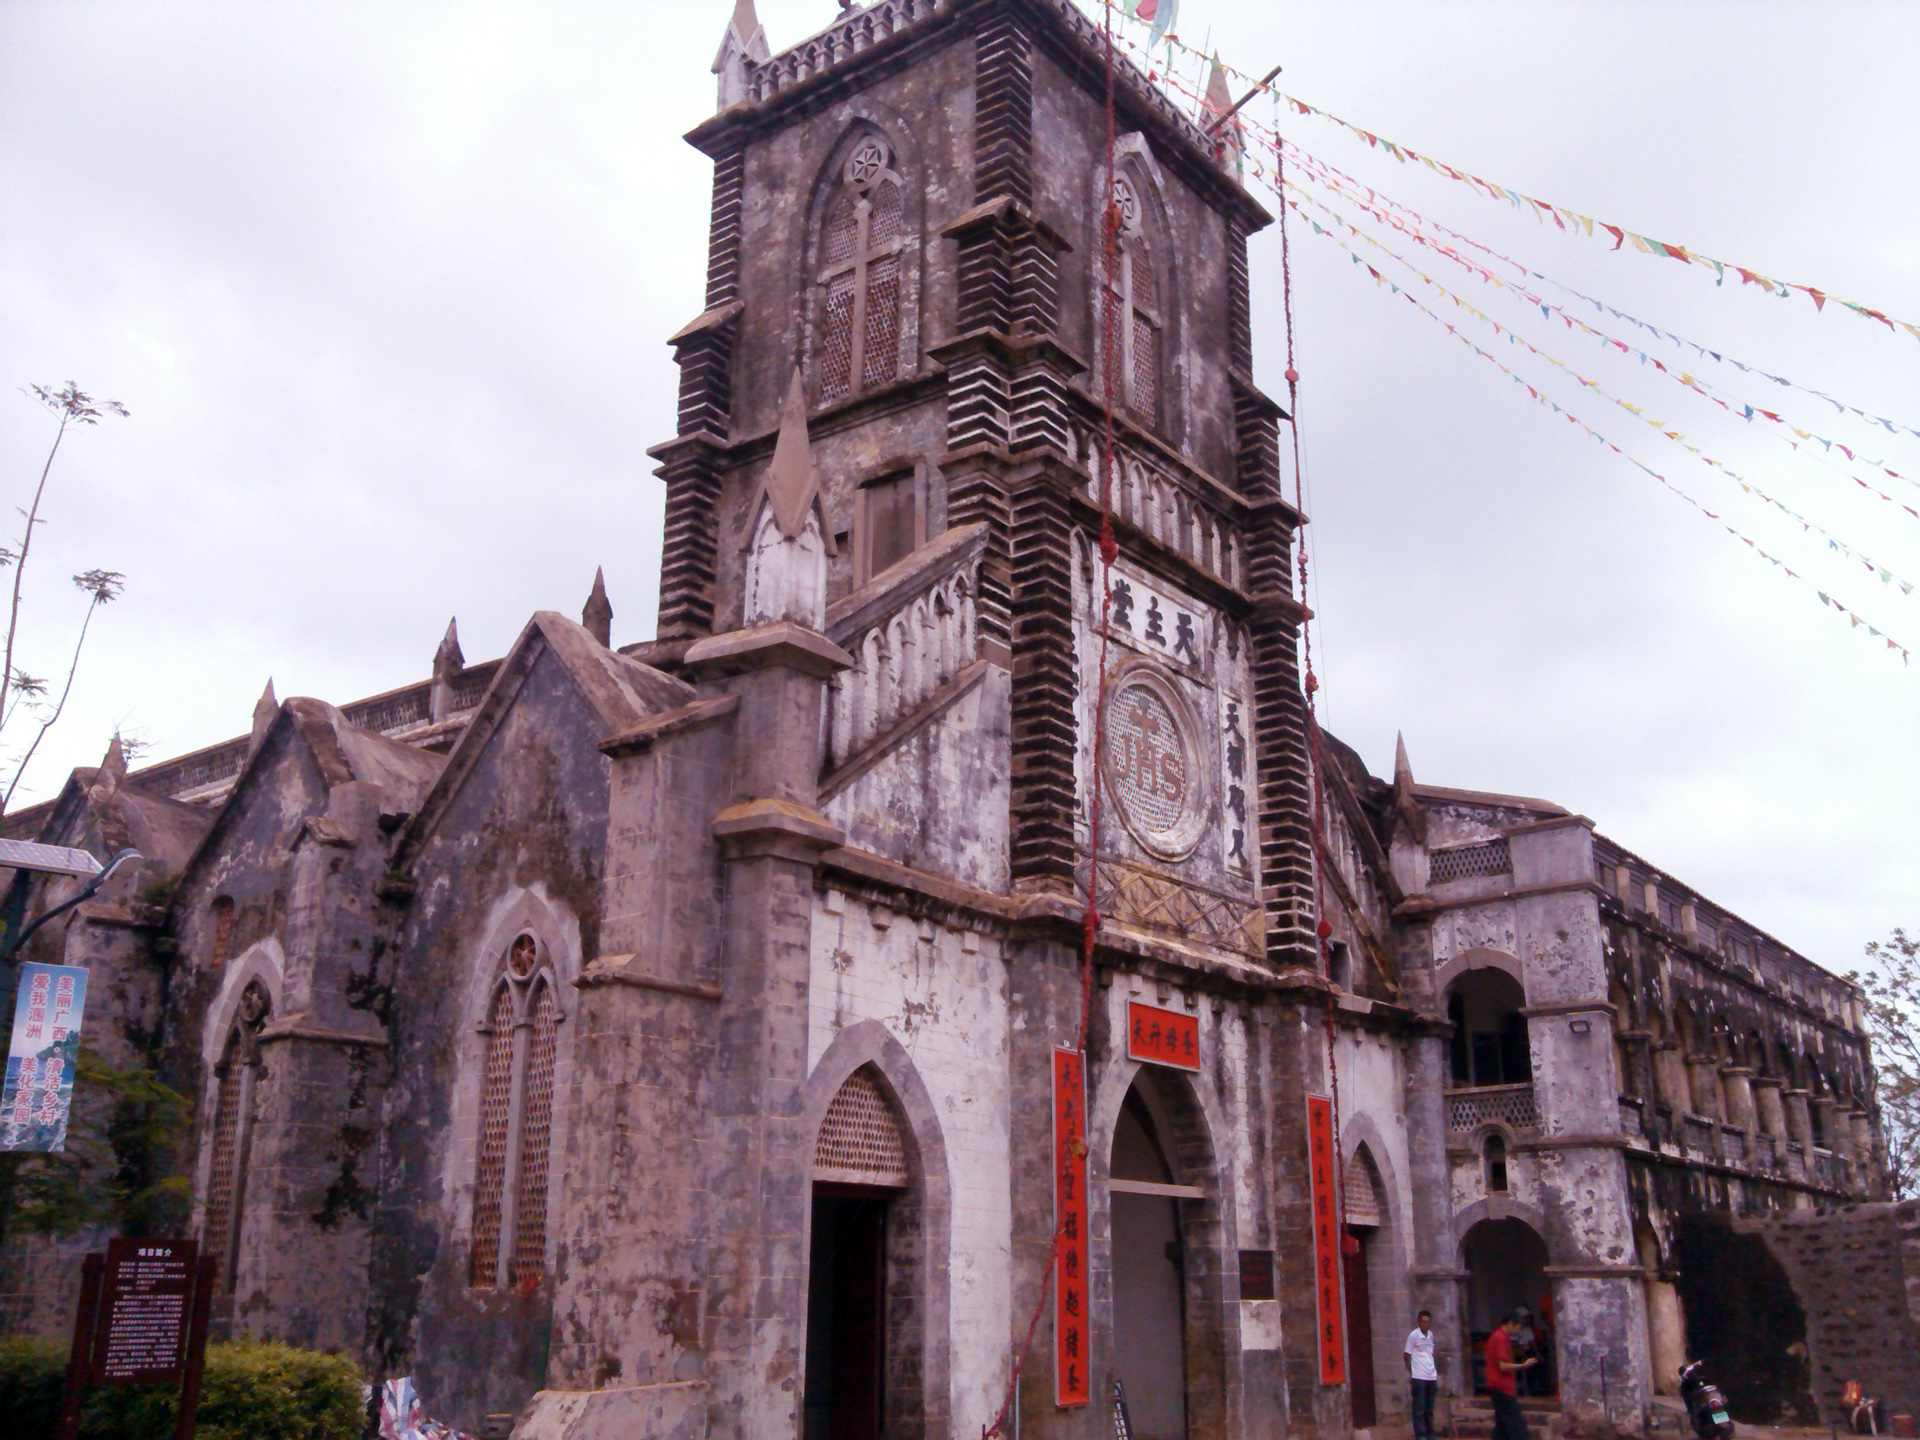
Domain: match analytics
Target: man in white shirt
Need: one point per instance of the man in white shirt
(1421, 1375)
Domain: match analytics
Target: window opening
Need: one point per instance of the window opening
(891, 521)
(1133, 329)
(861, 245)
(1495, 1154)
(516, 1123)
(234, 1082)
(221, 949)
(1490, 1044)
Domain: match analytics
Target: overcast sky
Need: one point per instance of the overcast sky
(385, 289)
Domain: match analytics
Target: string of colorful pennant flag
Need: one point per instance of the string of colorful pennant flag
(1854, 618)
(1390, 211)
(1736, 407)
(1834, 542)
(1892, 427)
(1566, 218)
(1206, 96)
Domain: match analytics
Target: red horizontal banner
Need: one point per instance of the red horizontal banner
(1163, 1037)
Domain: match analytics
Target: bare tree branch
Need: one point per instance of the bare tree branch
(73, 406)
(104, 586)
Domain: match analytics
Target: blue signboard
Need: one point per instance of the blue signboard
(38, 1090)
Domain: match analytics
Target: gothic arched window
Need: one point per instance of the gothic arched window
(516, 1122)
(234, 1080)
(861, 244)
(1131, 325)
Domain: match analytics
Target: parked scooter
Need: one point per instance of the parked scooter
(1706, 1406)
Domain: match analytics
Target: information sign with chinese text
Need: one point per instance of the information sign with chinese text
(38, 1090)
(145, 1303)
(1163, 1037)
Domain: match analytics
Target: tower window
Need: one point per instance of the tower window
(1495, 1154)
(516, 1123)
(890, 520)
(860, 259)
(1131, 325)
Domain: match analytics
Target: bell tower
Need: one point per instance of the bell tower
(997, 327)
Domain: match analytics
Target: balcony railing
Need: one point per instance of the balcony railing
(1698, 1131)
(1511, 1105)
(1733, 1143)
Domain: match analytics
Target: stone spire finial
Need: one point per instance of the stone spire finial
(597, 614)
(264, 709)
(744, 44)
(447, 660)
(791, 482)
(113, 765)
(787, 545)
(447, 663)
(1402, 768)
(1219, 102)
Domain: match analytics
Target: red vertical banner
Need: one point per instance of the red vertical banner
(1326, 1238)
(1071, 1385)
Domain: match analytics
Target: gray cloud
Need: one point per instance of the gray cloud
(386, 289)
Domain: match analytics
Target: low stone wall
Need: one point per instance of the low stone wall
(1856, 1271)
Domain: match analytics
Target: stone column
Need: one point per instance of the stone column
(1737, 1083)
(1670, 1078)
(1437, 1277)
(1703, 1079)
(1800, 1132)
(760, 1183)
(1768, 1109)
(1868, 1179)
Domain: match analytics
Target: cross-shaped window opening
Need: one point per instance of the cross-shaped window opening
(860, 247)
(1132, 324)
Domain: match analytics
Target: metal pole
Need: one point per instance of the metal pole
(208, 1271)
(1235, 108)
(80, 1358)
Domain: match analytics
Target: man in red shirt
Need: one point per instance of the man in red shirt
(1508, 1421)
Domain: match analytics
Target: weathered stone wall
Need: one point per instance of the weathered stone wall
(1856, 1272)
(529, 819)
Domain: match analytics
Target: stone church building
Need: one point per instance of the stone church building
(679, 1039)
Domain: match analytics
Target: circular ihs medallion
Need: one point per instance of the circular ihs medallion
(1152, 769)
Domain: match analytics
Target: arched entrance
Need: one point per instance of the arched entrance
(1506, 1263)
(859, 1171)
(1149, 1268)
(1366, 1213)
(1489, 1044)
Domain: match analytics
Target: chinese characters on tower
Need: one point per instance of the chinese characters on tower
(1326, 1238)
(1070, 1384)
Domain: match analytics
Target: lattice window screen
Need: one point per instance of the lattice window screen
(530, 1224)
(223, 1180)
(880, 355)
(1461, 862)
(860, 1140)
(496, 1102)
(1363, 1191)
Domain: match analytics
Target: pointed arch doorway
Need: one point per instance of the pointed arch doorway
(859, 1171)
(1149, 1275)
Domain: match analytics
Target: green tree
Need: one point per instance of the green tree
(1892, 988)
(117, 1168)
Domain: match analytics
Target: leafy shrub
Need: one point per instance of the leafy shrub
(33, 1377)
(248, 1391)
